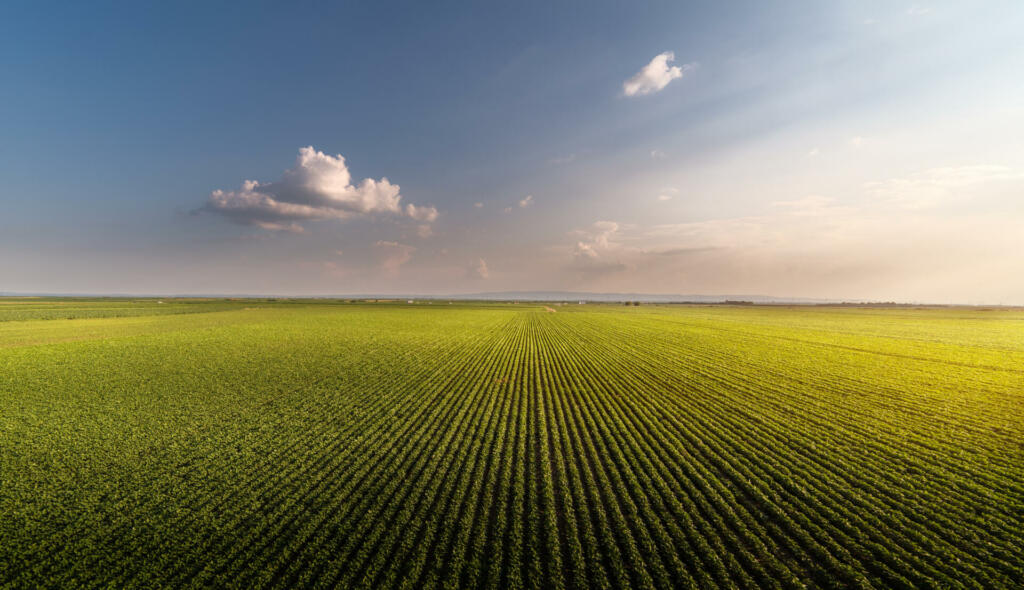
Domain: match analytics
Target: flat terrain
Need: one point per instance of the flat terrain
(332, 444)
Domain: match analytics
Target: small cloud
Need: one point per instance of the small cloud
(478, 205)
(857, 141)
(658, 155)
(595, 240)
(812, 152)
(292, 227)
(585, 250)
(562, 159)
(526, 201)
(664, 197)
(479, 269)
(655, 75)
(918, 10)
(507, 210)
(319, 186)
(868, 21)
(425, 214)
(424, 230)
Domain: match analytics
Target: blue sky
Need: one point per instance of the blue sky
(826, 149)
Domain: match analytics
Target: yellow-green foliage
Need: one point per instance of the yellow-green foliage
(344, 444)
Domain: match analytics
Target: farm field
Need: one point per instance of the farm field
(318, 444)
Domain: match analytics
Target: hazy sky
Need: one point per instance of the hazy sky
(869, 150)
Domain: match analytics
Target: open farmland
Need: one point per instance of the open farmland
(332, 444)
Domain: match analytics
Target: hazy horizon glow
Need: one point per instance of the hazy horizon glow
(842, 150)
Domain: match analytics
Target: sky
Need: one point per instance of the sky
(840, 150)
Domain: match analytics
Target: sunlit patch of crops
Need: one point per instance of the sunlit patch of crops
(345, 444)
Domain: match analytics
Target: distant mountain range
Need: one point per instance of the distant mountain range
(645, 297)
(485, 296)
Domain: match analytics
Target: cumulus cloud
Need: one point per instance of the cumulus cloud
(318, 187)
(655, 75)
(526, 201)
(479, 269)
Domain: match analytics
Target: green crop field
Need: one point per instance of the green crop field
(190, 443)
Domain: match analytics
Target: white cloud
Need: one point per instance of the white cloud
(526, 201)
(857, 141)
(318, 187)
(425, 214)
(918, 10)
(813, 152)
(595, 240)
(664, 197)
(479, 269)
(655, 75)
(658, 155)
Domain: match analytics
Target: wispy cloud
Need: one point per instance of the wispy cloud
(891, 239)
(658, 155)
(595, 240)
(392, 255)
(319, 186)
(526, 201)
(656, 75)
(478, 269)
(937, 185)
